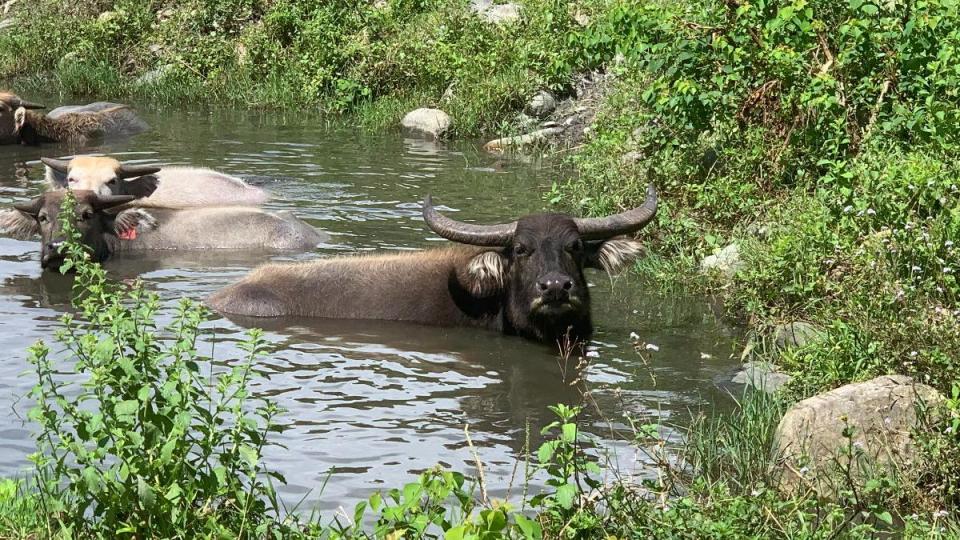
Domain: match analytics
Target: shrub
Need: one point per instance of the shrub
(136, 438)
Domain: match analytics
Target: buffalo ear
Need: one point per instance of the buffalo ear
(613, 255)
(19, 225)
(133, 219)
(484, 274)
(56, 171)
(140, 187)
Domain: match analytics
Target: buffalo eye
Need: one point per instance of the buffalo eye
(112, 182)
(86, 214)
(521, 250)
(72, 180)
(42, 218)
(575, 247)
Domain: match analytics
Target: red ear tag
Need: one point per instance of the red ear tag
(129, 234)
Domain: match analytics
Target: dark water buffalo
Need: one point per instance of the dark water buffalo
(78, 124)
(132, 229)
(523, 278)
(9, 103)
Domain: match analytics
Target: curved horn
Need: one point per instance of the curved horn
(31, 207)
(131, 171)
(624, 223)
(103, 202)
(30, 105)
(467, 233)
(60, 165)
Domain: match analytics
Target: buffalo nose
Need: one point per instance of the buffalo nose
(554, 286)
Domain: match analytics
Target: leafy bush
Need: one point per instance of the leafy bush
(137, 439)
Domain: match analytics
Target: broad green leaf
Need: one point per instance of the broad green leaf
(566, 495)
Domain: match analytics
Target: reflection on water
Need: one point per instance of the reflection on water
(369, 402)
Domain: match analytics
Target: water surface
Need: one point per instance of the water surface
(371, 402)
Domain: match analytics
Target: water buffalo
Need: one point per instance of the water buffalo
(78, 124)
(176, 187)
(9, 103)
(524, 277)
(132, 229)
(152, 187)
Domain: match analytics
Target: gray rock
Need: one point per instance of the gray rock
(538, 137)
(496, 13)
(448, 94)
(432, 123)
(726, 262)
(631, 157)
(879, 416)
(796, 334)
(761, 376)
(541, 105)
(525, 122)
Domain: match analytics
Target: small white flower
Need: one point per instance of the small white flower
(913, 354)
(705, 356)
(915, 268)
(652, 347)
(847, 209)
(947, 270)
(948, 243)
(804, 470)
(871, 212)
(593, 354)
(634, 336)
(941, 514)
(860, 213)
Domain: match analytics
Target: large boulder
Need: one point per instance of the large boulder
(432, 123)
(852, 432)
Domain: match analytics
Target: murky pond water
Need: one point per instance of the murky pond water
(370, 402)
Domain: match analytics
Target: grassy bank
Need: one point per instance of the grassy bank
(343, 56)
(820, 137)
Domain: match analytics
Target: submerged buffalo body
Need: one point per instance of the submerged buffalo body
(132, 229)
(523, 278)
(78, 124)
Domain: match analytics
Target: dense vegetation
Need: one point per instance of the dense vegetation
(820, 136)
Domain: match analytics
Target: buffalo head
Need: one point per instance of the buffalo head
(90, 219)
(9, 103)
(102, 175)
(537, 262)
